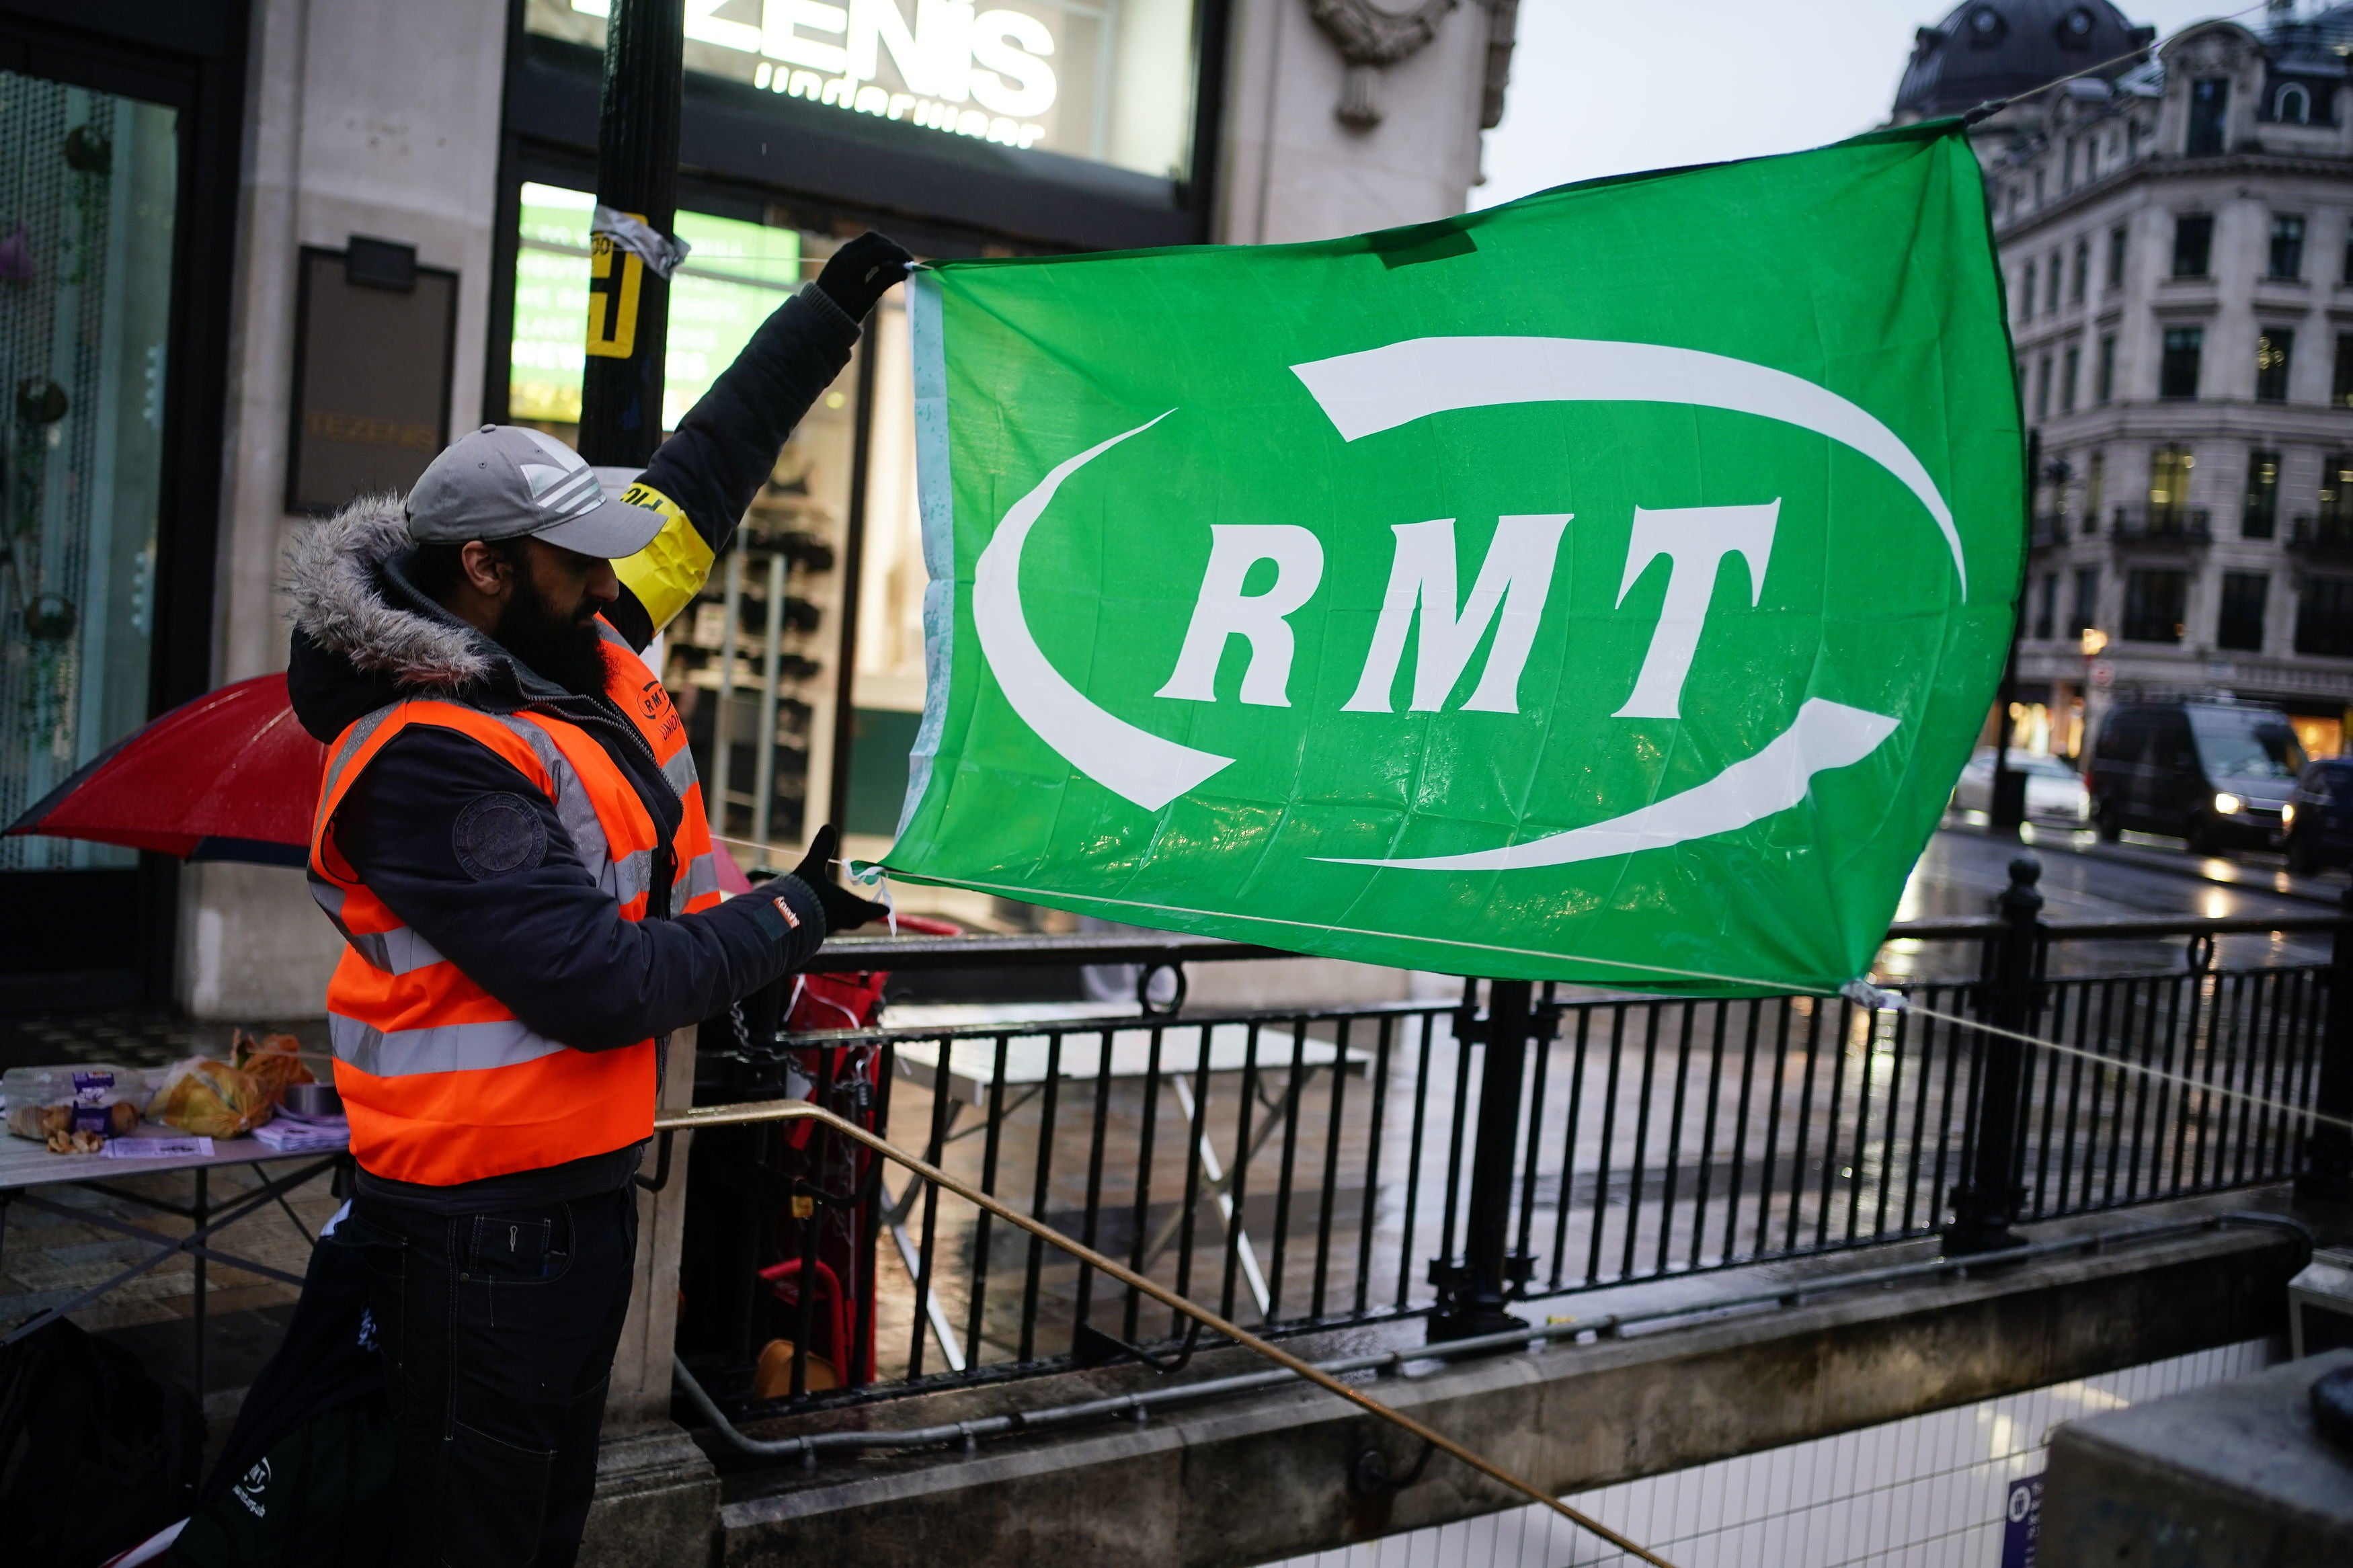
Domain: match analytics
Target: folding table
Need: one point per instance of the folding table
(26, 1165)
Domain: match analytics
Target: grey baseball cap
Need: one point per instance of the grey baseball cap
(502, 481)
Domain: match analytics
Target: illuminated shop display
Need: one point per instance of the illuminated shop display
(1110, 81)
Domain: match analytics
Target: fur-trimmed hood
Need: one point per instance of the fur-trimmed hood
(365, 636)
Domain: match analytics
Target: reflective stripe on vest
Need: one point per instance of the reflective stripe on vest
(442, 1083)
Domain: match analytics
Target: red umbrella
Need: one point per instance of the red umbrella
(229, 777)
(232, 775)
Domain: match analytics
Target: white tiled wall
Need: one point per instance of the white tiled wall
(1927, 1492)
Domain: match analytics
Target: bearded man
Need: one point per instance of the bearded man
(512, 840)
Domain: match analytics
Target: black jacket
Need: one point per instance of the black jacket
(541, 936)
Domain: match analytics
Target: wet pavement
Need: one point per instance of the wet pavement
(1966, 866)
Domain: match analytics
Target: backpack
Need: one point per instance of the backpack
(95, 1455)
(321, 1495)
(305, 1477)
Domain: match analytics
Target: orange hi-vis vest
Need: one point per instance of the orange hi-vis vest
(441, 1081)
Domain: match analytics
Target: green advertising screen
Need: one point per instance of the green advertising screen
(738, 273)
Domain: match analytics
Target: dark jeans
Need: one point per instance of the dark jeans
(497, 1332)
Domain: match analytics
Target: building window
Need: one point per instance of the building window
(2155, 602)
(2210, 104)
(2340, 382)
(2259, 519)
(2087, 601)
(2337, 491)
(2117, 257)
(2068, 374)
(2051, 288)
(2103, 383)
(2177, 372)
(2193, 243)
(2169, 487)
(2042, 388)
(2324, 617)
(2083, 270)
(2241, 623)
(2026, 295)
(2038, 187)
(2291, 106)
(2046, 605)
(2095, 485)
(2287, 246)
(2272, 346)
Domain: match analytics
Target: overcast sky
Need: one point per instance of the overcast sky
(1606, 87)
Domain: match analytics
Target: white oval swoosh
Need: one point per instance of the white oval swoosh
(1134, 764)
(1379, 389)
(1825, 735)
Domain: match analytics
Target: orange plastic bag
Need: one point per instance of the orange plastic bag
(271, 1061)
(211, 1099)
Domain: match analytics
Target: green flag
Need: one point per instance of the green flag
(1606, 586)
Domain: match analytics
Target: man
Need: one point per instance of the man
(512, 840)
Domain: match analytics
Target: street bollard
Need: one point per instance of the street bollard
(1986, 1201)
(1473, 1288)
(2324, 1168)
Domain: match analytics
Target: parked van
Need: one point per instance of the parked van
(2215, 774)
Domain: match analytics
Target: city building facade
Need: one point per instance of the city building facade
(2176, 235)
(270, 253)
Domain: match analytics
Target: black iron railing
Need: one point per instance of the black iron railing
(1306, 1168)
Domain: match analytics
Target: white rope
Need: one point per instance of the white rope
(2185, 1079)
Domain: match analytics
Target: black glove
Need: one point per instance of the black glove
(844, 911)
(862, 272)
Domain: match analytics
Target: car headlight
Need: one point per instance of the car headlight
(2287, 814)
(2229, 805)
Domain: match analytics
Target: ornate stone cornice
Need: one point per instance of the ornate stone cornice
(1371, 38)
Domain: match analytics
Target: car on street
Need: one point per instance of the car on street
(2217, 774)
(2054, 790)
(2319, 816)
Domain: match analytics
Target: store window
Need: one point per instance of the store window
(755, 663)
(88, 195)
(752, 663)
(1110, 80)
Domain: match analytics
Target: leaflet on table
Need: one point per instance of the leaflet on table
(156, 1148)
